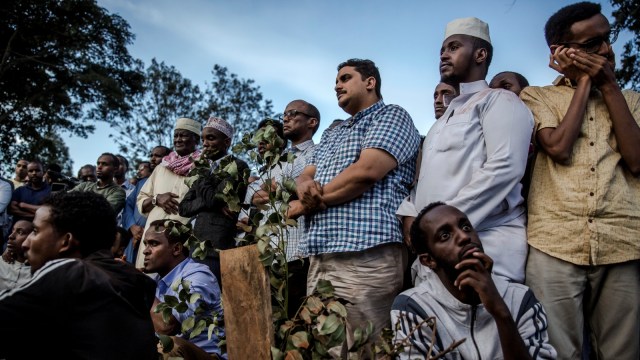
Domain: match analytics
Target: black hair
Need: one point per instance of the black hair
(86, 215)
(366, 68)
(125, 236)
(115, 162)
(164, 148)
(418, 242)
(36, 161)
(559, 24)
(483, 44)
(522, 81)
(173, 236)
(124, 160)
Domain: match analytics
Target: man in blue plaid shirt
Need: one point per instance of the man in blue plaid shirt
(350, 190)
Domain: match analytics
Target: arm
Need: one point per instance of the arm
(558, 142)
(6, 189)
(478, 276)
(15, 209)
(357, 178)
(116, 198)
(625, 127)
(409, 324)
(170, 328)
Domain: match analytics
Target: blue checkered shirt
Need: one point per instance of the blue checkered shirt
(370, 219)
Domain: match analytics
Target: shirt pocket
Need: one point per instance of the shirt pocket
(452, 135)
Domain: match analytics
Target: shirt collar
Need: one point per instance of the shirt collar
(174, 273)
(302, 146)
(473, 87)
(363, 113)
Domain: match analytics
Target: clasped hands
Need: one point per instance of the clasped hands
(310, 199)
(578, 65)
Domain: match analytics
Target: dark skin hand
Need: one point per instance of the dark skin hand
(477, 276)
(166, 201)
(586, 70)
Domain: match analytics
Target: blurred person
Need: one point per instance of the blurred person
(106, 186)
(509, 80)
(120, 175)
(87, 173)
(442, 96)
(6, 190)
(13, 268)
(21, 174)
(28, 198)
(157, 154)
(89, 305)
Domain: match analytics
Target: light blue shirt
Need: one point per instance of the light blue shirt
(204, 283)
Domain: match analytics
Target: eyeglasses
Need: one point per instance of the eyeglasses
(594, 44)
(292, 113)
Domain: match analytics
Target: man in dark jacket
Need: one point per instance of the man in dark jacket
(81, 302)
(224, 174)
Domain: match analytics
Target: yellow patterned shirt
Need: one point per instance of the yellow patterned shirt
(586, 211)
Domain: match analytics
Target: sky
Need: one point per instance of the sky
(292, 48)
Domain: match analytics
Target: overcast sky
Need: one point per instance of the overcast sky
(291, 48)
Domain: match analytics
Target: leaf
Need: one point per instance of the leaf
(182, 307)
(314, 304)
(300, 339)
(187, 324)
(276, 354)
(324, 288)
(330, 325)
(293, 355)
(194, 297)
(186, 285)
(175, 285)
(167, 343)
(305, 315)
(197, 330)
(172, 301)
(338, 308)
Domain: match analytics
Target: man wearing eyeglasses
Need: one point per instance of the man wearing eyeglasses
(584, 202)
(354, 182)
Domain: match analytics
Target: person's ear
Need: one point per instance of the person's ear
(68, 243)
(481, 55)
(177, 249)
(371, 83)
(427, 260)
(312, 123)
(227, 143)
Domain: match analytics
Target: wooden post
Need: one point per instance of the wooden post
(246, 299)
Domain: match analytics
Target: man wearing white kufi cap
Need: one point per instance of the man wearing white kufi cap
(215, 223)
(161, 194)
(475, 155)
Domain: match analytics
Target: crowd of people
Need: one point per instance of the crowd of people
(514, 222)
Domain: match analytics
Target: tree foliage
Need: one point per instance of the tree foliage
(627, 17)
(63, 65)
(166, 96)
(239, 101)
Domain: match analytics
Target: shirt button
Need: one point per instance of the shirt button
(591, 118)
(593, 169)
(591, 143)
(590, 194)
(590, 220)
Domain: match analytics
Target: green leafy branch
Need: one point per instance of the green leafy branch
(203, 317)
